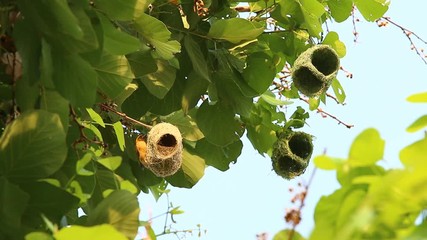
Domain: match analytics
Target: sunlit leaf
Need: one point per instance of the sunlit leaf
(122, 10)
(111, 163)
(414, 154)
(371, 10)
(327, 163)
(186, 125)
(120, 134)
(32, 146)
(270, 98)
(340, 9)
(235, 30)
(367, 148)
(100, 232)
(286, 233)
(158, 35)
(193, 168)
(418, 98)
(338, 91)
(95, 117)
(81, 164)
(160, 82)
(332, 39)
(420, 123)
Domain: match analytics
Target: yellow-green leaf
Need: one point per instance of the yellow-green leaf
(418, 98)
(367, 148)
(100, 232)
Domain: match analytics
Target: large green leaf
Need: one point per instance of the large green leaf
(116, 41)
(114, 74)
(259, 72)
(122, 10)
(371, 10)
(186, 125)
(100, 232)
(49, 200)
(13, 202)
(119, 209)
(414, 154)
(157, 34)
(74, 78)
(142, 63)
(340, 9)
(217, 123)
(235, 30)
(33, 146)
(332, 39)
(219, 157)
(53, 102)
(192, 170)
(197, 58)
(160, 82)
(367, 148)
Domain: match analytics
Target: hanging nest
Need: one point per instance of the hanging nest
(162, 151)
(291, 154)
(314, 70)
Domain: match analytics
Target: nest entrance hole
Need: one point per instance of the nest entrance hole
(325, 61)
(300, 146)
(167, 144)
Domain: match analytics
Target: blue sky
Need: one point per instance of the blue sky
(250, 198)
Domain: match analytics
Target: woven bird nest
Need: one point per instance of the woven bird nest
(162, 151)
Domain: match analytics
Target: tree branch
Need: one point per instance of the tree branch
(106, 107)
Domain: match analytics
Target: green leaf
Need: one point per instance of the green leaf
(193, 169)
(119, 209)
(160, 82)
(271, 99)
(74, 78)
(111, 163)
(235, 30)
(100, 232)
(338, 91)
(53, 102)
(33, 146)
(367, 148)
(313, 103)
(332, 39)
(38, 236)
(195, 86)
(120, 135)
(418, 98)
(142, 63)
(114, 74)
(122, 10)
(217, 123)
(13, 202)
(186, 125)
(259, 72)
(176, 211)
(157, 34)
(219, 157)
(327, 163)
(81, 164)
(420, 123)
(340, 9)
(197, 58)
(116, 41)
(129, 186)
(284, 235)
(371, 10)
(59, 201)
(414, 154)
(95, 117)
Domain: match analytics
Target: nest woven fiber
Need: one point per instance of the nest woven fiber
(291, 154)
(314, 70)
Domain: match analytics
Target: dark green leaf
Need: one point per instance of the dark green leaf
(235, 30)
(195, 87)
(114, 74)
(161, 81)
(33, 146)
(122, 10)
(119, 209)
(13, 202)
(74, 78)
(197, 58)
(219, 157)
(142, 63)
(217, 123)
(371, 10)
(186, 125)
(53, 102)
(157, 34)
(259, 72)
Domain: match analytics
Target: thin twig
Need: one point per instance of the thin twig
(83, 137)
(334, 98)
(408, 33)
(106, 107)
(321, 111)
(354, 20)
